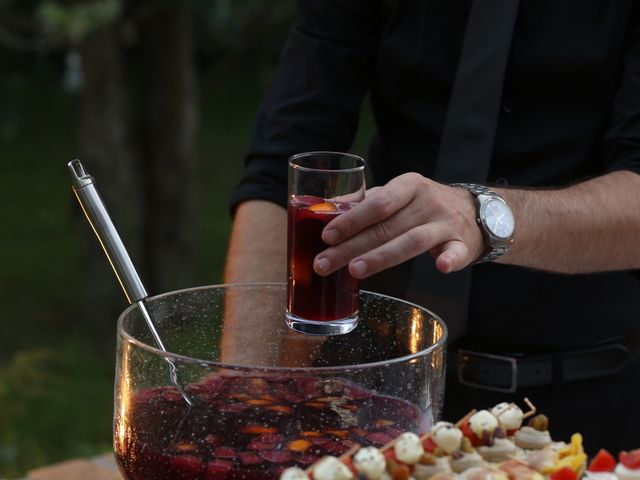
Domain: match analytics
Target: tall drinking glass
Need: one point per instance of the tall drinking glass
(322, 185)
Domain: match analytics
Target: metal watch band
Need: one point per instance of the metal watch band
(493, 251)
(492, 255)
(475, 188)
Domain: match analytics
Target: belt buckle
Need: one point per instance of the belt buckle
(464, 356)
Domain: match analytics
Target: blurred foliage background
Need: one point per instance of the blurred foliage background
(156, 97)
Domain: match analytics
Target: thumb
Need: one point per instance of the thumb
(371, 191)
(453, 256)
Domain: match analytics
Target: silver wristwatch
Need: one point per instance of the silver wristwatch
(495, 219)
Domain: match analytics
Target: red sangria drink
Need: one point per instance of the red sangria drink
(310, 296)
(322, 185)
(260, 396)
(252, 427)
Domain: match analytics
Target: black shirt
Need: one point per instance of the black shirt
(571, 110)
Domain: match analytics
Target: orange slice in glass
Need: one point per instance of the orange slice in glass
(323, 207)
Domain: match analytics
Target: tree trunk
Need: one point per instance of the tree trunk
(168, 94)
(103, 147)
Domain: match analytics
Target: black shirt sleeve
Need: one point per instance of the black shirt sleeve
(622, 142)
(314, 101)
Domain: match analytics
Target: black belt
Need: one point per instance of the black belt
(511, 371)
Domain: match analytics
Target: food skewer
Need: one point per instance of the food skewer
(532, 408)
(388, 446)
(342, 457)
(409, 437)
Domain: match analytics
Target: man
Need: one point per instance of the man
(556, 317)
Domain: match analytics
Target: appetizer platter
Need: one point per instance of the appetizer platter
(500, 443)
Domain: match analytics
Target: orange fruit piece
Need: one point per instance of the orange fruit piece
(240, 396)
(280, 408)
(381, 423)
(258, 429)
(399, 472)
(338, 433)
(299, 445)
(258, 382)
(185, 447)
(258, 401)
(323, 207)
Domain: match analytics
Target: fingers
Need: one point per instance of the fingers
(405, 218)
(379, 204)
(402, 248)
(418, 240)
(398, 249)
(373, 237)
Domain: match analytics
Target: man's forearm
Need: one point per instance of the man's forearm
(258, 245)
(589, 227)
(257, 253)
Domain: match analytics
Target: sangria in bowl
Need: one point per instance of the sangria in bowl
(265, 397)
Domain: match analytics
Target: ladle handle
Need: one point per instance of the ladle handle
(96, 213)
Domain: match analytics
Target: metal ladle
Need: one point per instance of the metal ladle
(96, 213)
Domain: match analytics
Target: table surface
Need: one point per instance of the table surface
(102, 467)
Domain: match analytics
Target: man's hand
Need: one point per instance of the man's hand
(408, 216)
(593, 226)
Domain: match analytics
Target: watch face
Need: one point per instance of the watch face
(498, 218)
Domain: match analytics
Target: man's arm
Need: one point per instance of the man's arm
(258, 245)
(592, 226)
(308, 107)
(257, 253)
(589, 227)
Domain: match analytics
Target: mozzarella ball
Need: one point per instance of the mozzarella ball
(330, 468)
(447, 436)
(408, 448)
(481, 421)
(370, 461)
(509, 415)
(294, 473)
